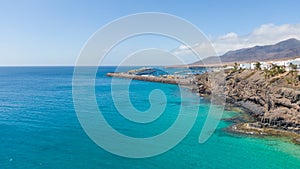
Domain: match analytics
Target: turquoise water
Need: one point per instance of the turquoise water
(39, 128)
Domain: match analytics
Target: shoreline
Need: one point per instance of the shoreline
(249, 129)
(249, 125)
(245, 124)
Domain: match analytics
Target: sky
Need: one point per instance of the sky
(53, 32)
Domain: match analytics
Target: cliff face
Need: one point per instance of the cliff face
(273, 102)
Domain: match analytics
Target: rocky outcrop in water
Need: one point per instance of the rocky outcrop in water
(271, 101)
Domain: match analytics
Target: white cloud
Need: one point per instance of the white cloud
(264, 35)
(230, 35)
(183, 47)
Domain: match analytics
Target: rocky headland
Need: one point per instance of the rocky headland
(272, 101)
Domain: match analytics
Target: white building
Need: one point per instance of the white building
(280, 63)
(268, 65)
(296, 62)
(265, 65)
(253, 65)
(287, 63)
(245, 66)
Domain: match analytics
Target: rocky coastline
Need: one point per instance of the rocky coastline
(272, 102)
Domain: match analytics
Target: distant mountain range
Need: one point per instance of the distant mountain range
(283, 50)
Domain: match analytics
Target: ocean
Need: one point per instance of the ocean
(39, 127)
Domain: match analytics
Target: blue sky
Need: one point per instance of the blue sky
(52, 32)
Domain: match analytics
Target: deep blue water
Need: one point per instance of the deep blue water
(39, 127)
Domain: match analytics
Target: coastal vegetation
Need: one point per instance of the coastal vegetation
(257, 66)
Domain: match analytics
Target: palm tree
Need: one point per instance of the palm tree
(257, 66)
(235, 67)
(294, 68)
(267, 73)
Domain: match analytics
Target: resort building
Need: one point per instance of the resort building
(245, 66)
(268, 65)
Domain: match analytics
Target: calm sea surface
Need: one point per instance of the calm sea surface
(39, 128)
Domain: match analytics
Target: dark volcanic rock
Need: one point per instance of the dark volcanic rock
(271, 104)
